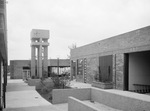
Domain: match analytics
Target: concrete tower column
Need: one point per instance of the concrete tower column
(37, 60)
(32, 61)
(45, 59)
(40, 59)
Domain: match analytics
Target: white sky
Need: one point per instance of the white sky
(71, 21)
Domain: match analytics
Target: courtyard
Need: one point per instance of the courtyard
(21, 97)
(74, 55)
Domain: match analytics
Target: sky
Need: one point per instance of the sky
(70, 22)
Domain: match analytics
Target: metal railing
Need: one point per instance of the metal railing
(141, 88)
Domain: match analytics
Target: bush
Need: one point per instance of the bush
(46, 85)
(61, 81)
(34, 77)
(56, 81)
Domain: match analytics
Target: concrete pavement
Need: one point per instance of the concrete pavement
(21, 97)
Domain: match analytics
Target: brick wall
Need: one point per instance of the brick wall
(119, 71)
(11, 69)
(92, 68)
(16, 68)
(133, 41)
(79, 76)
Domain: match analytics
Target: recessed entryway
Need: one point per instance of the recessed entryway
(137, 73)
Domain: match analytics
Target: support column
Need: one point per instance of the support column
(57, 66)
(1, 103)
(37, 62)
(71, 70)
(45, 58)
(76, 69)
(40, 59)
(33, 61)
(5, 83)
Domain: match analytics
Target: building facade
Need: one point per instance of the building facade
(123, 60)
(3, 53)
(20, 69)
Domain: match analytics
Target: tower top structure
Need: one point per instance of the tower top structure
(39, 33)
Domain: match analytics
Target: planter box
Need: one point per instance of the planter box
(102, 85)
(47, 83)
(33, 82)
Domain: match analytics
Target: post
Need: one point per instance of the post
(76, 69)
(32, 61)
(71, 70)
(40, 61)
(58, 66)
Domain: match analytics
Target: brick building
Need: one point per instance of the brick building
(123, 60)
(20, 69)
(3, 53)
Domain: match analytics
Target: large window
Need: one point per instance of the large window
(105, 68)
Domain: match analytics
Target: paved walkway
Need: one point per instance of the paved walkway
(21, 97)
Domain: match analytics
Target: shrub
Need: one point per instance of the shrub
(46, 85)
(61, 81)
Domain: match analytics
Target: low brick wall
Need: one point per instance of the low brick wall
(121, 101)
(77, 105)
(33, 82)
(61, 95)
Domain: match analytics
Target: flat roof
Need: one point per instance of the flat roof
(39, 33)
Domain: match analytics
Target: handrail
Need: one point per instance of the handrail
(141, 88)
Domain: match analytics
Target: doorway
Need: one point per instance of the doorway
(126, 72)
(137, 72)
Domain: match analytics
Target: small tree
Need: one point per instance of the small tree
(45, 75)
(61, 81)
(55, 79)
(65, 79)
(73, 46)
(46, 83)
